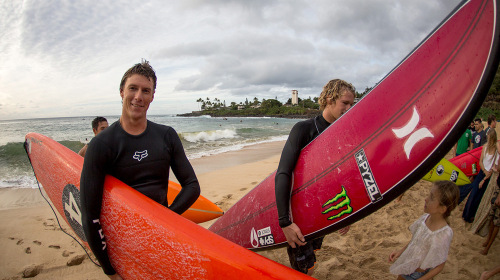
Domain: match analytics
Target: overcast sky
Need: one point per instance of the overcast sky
(66, 58)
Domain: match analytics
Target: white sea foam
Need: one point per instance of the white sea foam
(19, 182)
(205, 136)
(234, 147)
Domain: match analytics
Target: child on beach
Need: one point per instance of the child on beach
(426, 253)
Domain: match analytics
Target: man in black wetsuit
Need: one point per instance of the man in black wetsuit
(98, 125)
(139, 153)
(335, 99)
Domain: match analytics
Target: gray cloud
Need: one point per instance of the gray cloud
(75, 52)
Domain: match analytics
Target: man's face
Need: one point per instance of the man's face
(477, 126)
(100, 127)
(137, 94)
(341, 105)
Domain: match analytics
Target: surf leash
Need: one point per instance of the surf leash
(53, 211)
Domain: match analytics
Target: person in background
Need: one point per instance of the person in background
(138, 152)
(425, 255)
(98, 125)
(335, 99)
(488, 162)
(479, 136)
(494, 225)
(492, 123)
(464, 143)
(472, 127)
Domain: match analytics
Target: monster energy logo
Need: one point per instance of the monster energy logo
(336, 205)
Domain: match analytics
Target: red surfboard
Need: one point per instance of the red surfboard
(385, 143)
(468, 162)
(145, 240)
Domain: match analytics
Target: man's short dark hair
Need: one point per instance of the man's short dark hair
(96, 121)
(143, 69)
(491, 118)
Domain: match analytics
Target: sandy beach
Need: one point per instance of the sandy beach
(33, 244)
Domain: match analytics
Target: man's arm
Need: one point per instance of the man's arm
(184, 173)
(283, 184)
(91, 192)
(284, 174)
(83, 150)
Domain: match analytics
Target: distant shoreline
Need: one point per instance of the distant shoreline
(200, 113)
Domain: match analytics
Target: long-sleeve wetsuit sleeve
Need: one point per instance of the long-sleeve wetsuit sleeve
(186, 176)
(283, 179)
(91, 192)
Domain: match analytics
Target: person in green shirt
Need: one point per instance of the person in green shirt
(464, 143)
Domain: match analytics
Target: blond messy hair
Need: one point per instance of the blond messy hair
(333, 90)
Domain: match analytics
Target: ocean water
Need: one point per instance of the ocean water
(200, 136)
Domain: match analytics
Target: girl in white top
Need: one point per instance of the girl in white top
(426, 253)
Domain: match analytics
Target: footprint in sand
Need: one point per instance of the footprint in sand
(243, 189)
(55, 246)
(76, 260)
(67, 253)
(37, 242)
(19, 241)
(366, 261)
(224, 204)
(27, 250)
(51, 224)
(31, 271)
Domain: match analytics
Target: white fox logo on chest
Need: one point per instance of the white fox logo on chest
(140, 155)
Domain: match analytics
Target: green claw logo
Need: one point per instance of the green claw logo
(345, 202)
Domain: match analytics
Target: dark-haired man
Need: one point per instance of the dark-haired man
(138, 152)
(98, 125)
(492, 123)
(479, 136)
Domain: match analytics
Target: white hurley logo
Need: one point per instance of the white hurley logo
(141, 155)
(416, 135)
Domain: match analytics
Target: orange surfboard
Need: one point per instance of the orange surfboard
(145, 240)
(201, 211)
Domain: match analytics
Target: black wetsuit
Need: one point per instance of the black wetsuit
(301, 134)
(143, 162)
(302, 258)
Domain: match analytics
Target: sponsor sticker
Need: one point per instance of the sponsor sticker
(439, 170)
(454, 176)
(367, 176)
(340, 202)
(71, 204)
(261, 237)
